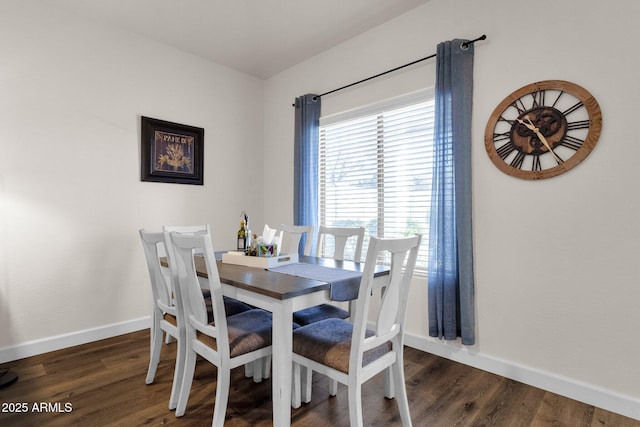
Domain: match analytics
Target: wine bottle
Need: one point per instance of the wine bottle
(247, 232)
(242, 237)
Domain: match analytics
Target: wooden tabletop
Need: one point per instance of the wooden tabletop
(278, 285)
(270, 283)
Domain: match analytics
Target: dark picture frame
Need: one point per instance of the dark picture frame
(171, 152)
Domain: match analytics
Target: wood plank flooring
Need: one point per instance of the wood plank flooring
(103, 384)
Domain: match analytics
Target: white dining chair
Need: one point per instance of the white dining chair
(350, 353)
(258, 370)
(340, 236)
(227, 342)
(164, 317)
(290, 236)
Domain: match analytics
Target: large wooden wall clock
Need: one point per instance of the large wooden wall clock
(543, 129)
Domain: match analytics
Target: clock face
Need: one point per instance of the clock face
(543, 129)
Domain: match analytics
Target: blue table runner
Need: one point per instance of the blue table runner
(344, 283)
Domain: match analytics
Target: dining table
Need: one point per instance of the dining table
(282, 293)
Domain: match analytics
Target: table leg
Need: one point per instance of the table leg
(282, 363)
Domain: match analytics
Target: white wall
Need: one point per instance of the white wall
(556, 261)
(71, 199)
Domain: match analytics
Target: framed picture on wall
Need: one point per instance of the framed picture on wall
(171, 152)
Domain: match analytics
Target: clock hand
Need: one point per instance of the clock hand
(540, 136)
(528, 125)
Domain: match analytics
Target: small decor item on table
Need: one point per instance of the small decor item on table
(242, 237)
(253, 246)
(259, 248)
(269, 238)
(265, 246)
(267, 250)
(262, 252)
(244, 215)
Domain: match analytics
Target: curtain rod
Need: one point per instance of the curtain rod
(464, 45)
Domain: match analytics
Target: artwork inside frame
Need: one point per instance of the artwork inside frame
(171, 152)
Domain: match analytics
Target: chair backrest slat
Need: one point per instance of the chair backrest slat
(290, 236)
(341, 236)
(153, 244)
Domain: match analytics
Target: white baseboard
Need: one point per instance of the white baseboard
(589, 394)
(45, 345)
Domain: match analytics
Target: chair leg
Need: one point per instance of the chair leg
(154, 350)
(187, 380)
(258, 366)
(401, 392)
(389, 391)
(248, 370)
(333, 387)
(222, 396)
(295, 386)
(178, 374)
(258, 369)
(267, 366)
(355, 404)
(307, 377)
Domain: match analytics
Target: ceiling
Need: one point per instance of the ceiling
(258, 37)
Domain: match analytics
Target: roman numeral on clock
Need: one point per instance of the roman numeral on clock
(538, 98)
(573, 108)
(572, 142)
(518, 160)
(537, 166)
(499, 137)
(505, 150)
(580, 124)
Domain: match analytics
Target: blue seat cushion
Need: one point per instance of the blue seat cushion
(318, 313)
(231, 306)
(248, 331)
(329, 342)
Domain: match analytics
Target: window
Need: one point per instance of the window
(375, 169)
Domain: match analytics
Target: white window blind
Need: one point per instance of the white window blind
(375, 170)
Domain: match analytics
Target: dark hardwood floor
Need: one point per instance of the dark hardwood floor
(102, 384)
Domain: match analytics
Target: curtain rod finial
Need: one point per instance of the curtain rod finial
(465, 45)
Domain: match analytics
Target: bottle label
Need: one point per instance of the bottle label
(242, 243)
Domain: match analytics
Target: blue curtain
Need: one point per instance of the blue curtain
(305, 168)
(451, 278)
